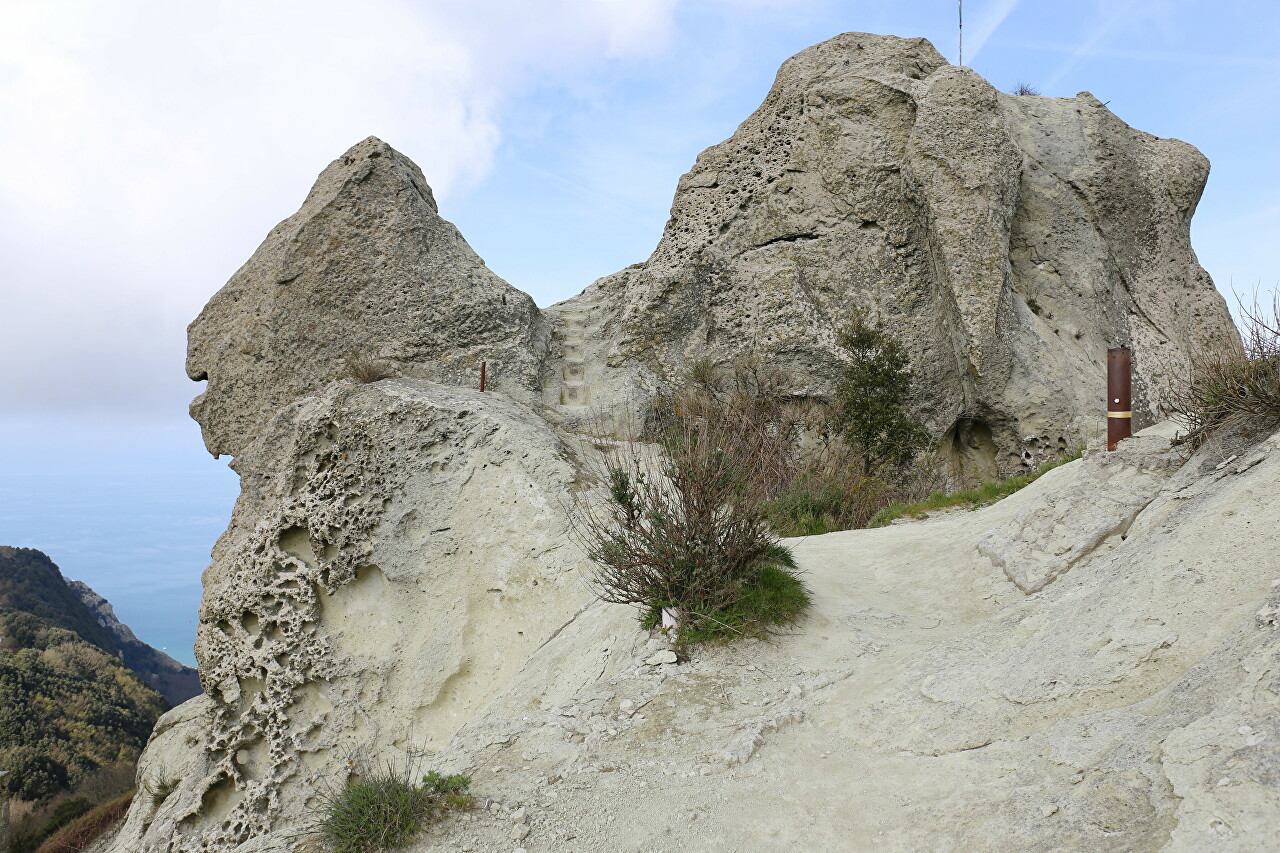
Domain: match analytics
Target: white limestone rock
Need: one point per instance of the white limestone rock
(398, 552)
(1008, 241)
(366, 268)
(1098, 503)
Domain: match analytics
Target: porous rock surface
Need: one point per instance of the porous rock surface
(366, 270)
(1007, 241)
(398, 552)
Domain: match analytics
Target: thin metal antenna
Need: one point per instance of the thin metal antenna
(961, 2)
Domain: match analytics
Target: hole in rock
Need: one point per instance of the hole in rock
(972, 450)
(296, 542)
(218, 800)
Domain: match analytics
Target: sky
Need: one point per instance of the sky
(148, 147)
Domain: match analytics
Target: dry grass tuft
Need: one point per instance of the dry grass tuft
(387, 808)
(1227, 387)
(365, 368)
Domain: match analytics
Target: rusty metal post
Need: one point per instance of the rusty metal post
(483, 368)
(1119, 408)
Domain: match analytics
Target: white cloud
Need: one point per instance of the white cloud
(149, 144)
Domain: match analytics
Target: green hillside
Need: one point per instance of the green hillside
(73, 717)
(31, 583)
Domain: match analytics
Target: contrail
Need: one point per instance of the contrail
(987, 24)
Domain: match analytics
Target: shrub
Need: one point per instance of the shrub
(822, 500)
(387, 809)
(81, 833)
(869, 407)
(1229, 385)
(365, 368)
(775, 597)
(685, 526)
(1025, 89)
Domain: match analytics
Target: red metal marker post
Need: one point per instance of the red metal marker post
(483, 366)
(1119, 408)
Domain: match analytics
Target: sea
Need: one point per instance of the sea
(131, 509)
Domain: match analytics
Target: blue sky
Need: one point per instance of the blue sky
(149, 147)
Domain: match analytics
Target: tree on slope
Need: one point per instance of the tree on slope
(871, 397)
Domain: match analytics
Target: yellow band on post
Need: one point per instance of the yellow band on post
(1119, 414)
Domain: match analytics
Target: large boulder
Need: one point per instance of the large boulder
(1007, 241)
(399, 550)
(365, 275)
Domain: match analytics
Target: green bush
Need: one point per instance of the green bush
(822, 500)
(871, 397)
(685, 527)
(65, 812)
(775, 597)
(67, 709)
(80, 833)
(387, 809)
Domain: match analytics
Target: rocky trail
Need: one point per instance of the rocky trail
(824, 738)
(570, 368)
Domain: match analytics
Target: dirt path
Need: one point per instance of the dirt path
(640, 760)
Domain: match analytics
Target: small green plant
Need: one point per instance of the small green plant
(386, 809)
(871, 397)
(157, 786)
(983, 495)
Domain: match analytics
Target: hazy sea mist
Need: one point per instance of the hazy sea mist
(131, 510)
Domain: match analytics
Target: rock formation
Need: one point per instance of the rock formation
(175, 681)
(927, 703)
(1007, 240)
(365, 272)
(379, 587)
(1089, 665)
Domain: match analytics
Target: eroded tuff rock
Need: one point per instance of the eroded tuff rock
(368, 269)
(925, 703)
(398, 552)
(1008, 241)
